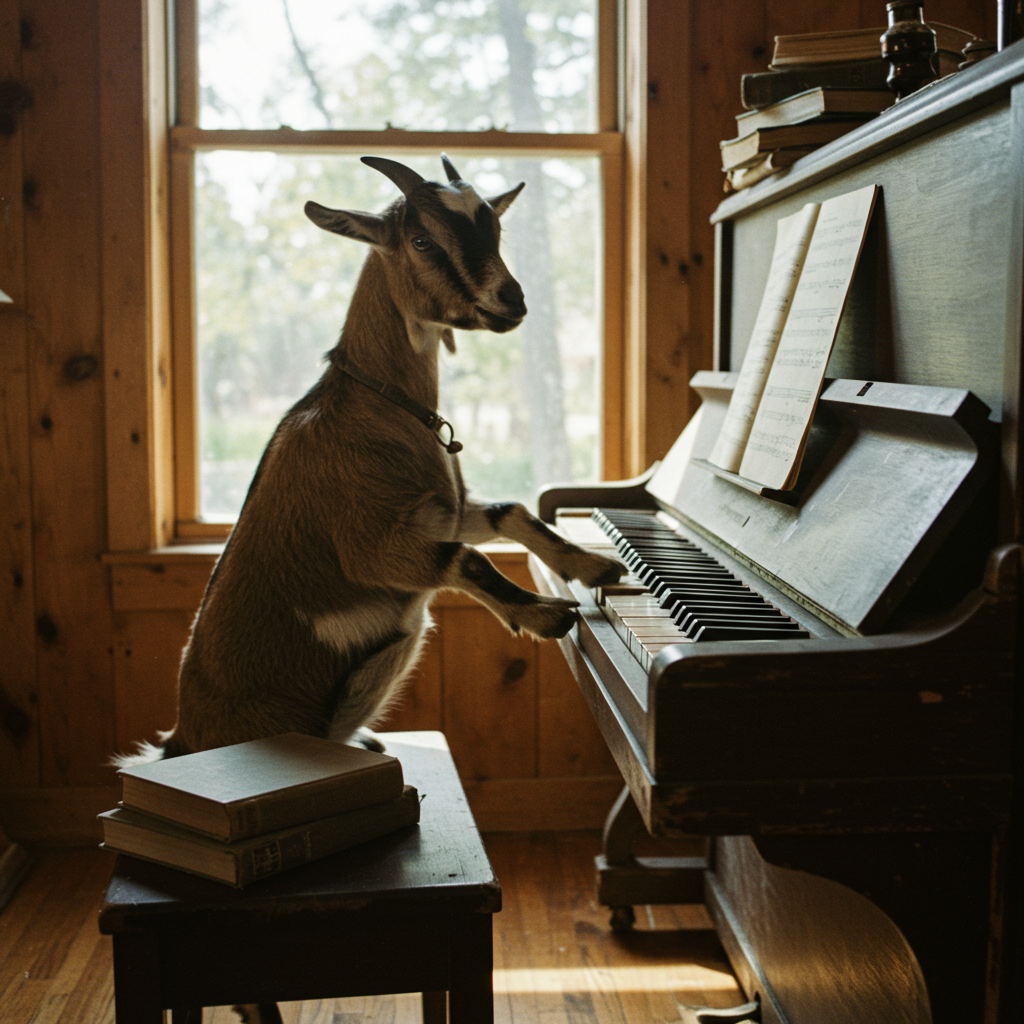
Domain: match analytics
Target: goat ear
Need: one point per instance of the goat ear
(449, 339)
(363, 227)
(499, 204)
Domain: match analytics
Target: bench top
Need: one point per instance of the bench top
(439, 866)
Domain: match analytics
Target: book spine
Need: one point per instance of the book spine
(321, 838)
(767, 87)
(270, 858)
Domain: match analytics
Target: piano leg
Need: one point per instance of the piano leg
(625, 880)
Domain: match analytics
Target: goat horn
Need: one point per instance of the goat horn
(404, 177)
(449, 168)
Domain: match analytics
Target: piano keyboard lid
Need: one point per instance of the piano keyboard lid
(889, 470)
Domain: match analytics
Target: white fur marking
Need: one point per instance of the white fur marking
(360, 626)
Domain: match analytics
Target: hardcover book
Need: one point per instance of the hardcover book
(761, 88)
(247, 789)
(249, 860)
(749, 148)
(853, 44)
(859, 104)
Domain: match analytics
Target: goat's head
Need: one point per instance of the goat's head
(440, 243)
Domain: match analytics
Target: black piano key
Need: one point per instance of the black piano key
(692, 623)
(663, 591)
(676, 558)
(683, 608)
(746, 633)
(684, 581)
(678, 573)
(672, 594)
(682, 562)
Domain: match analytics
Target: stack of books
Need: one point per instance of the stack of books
(240, 813)
(819, 86)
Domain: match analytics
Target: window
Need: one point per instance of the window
(277, 99)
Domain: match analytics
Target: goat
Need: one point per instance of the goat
(316, 611)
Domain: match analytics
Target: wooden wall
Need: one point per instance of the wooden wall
(89, 642)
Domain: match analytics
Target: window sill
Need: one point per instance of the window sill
(174, 578)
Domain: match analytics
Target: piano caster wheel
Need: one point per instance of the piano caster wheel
(622, 919)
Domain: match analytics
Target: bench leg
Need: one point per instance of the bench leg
(136, 980)
(471, 998)
(435, 1007)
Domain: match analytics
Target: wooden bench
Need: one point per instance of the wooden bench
(410, 912)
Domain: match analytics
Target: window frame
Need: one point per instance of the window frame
(186, 138)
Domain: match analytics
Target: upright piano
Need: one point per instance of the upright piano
(821, 681)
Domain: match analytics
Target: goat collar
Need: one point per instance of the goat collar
(440, 427)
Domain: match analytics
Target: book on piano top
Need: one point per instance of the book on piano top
(248, 789)
(857, 105)
(812, 48)
(748, 149)
(248, 860)
(761, 88)
(776, 160)
(765, 430)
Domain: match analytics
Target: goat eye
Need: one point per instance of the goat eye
(422, 243)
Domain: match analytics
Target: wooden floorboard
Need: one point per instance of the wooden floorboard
(556, 960)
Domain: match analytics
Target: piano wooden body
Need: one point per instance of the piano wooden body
(854, 776)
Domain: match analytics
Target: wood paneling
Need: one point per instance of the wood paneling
(63, 302)
(569, 742)
(159, 585)
(19, 723)
(490, 682)
(542, 805)
(421, 703)
(147, 649)
(57, 815)
(672, 355)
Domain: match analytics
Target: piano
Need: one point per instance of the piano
(820, 683)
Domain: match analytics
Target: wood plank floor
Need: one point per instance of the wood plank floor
(555, 959)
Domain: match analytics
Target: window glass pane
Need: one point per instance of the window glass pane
(272, 291)
(527, 65)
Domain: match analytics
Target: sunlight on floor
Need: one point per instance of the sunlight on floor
(676, 978)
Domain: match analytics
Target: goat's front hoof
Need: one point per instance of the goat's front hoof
(596, 570)
(547, 619)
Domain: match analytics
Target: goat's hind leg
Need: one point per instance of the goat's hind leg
(488, 521)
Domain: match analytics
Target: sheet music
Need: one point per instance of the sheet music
(779, 433)
(792, 239)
